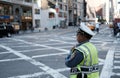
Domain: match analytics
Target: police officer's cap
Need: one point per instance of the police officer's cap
(86, 29)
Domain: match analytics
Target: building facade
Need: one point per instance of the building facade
(19, 11)
(76, 11)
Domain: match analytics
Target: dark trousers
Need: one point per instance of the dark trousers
(79, 75)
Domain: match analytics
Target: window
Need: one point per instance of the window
(65, 7)
(5, 9)
(37, 23)
(1, 9)
(60, 14)
(60, 0)
(60, 5)
(51, 15)
(37, 11)
(35, 1)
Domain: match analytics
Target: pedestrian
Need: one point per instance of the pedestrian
(83, 58)
(97, 27)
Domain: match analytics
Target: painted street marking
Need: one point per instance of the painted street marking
(108, 64)
(46, 55)
(26, 50)
(62, 41)
(42, 66)
(64, 46)
(117, 57)
(38, 74)
(4, 52)
(30, 75)
(117, 67)
(15, 59)
(117, 54)
(118, 74)
(63, 69)
(23, 46)
(116, 61)
(44, 46)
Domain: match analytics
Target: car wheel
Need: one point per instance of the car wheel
(8, 35)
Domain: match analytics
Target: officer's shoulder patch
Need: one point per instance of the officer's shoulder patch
(73, 55)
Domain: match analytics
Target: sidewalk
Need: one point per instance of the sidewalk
(69, 28)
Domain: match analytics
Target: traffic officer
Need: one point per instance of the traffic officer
(83, 58)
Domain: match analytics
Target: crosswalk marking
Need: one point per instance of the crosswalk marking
(117, 57)
(42, 66)
(57, 48)
(116, 61)
(38, 74)
(116, 67)
(107, 68)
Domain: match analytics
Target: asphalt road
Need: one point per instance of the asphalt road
(42, 55)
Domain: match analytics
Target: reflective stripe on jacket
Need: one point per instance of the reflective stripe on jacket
(89, 65)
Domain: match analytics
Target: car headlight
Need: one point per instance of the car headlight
(4, 27)
(13, 26)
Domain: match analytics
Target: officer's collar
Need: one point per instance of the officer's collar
(82, 43)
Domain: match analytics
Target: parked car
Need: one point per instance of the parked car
(16, 27)
(6, 29)
(2, 29)
(9, 29)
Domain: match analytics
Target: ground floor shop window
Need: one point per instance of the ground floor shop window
(37, 23)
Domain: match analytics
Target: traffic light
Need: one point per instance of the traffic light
(84, 8)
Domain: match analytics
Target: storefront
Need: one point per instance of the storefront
(21, 14)
(5, 13)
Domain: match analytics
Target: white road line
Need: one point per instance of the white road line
(101, 60)
(53, 44)
(108, 64)
(45, 55)
(44, 46)
(64, 46)
(63, 69)
(26, 50)
(4, 52)
(23, 46)
(117, 67)
(118, 74)
(38, 74)
(14, 59)
(62, 41)
(117, 54)
(69, 38)
(42, 66)
(115, 61)
(117, 57)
